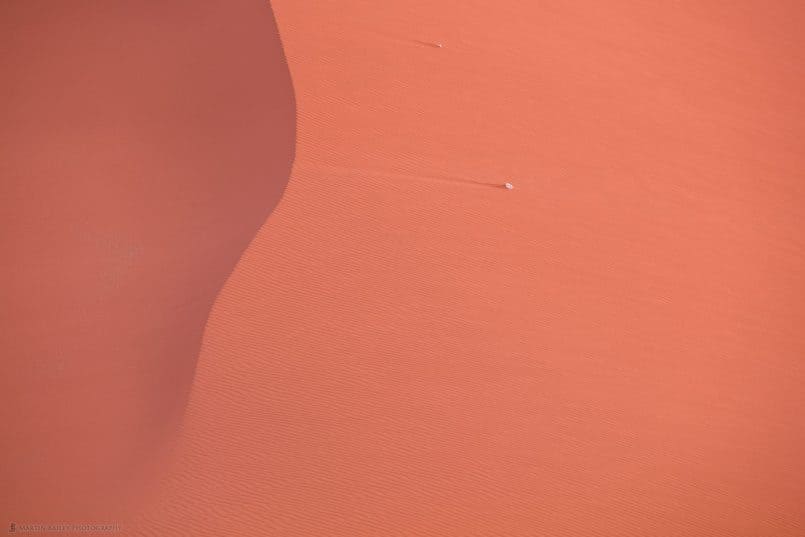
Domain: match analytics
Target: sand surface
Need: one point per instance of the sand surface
(613, 347)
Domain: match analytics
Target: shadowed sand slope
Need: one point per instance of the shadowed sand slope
(143, 144)
(611, 348)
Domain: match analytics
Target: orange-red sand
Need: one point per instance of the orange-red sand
(612, 348)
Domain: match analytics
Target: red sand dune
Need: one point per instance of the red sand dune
(611, 348)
